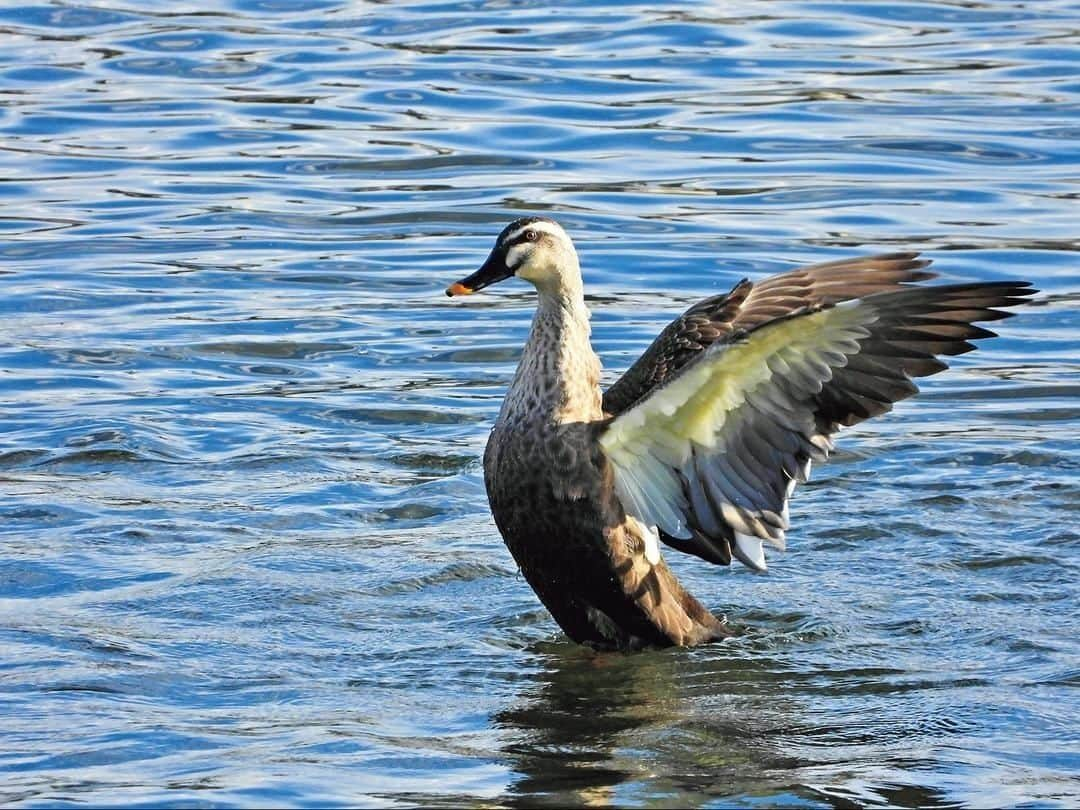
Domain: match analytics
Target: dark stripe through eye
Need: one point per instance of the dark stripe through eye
(525, 236)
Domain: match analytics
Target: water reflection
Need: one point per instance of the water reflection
(688, 725)
(570, 723)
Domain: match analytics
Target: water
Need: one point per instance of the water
(247, 556)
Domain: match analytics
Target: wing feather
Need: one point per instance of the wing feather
(721, 318)
(712, 456)
(707, 429)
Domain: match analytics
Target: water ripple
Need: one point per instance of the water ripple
(247, 552)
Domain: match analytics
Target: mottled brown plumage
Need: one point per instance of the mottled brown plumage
(706, 435)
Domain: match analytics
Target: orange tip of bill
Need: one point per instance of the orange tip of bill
(457, 288)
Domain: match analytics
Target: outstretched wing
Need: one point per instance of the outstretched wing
(750, 305)
(712, 456)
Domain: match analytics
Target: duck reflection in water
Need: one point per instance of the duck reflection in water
(698, 724)
(718, 724)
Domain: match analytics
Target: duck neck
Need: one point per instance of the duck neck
(558, 378)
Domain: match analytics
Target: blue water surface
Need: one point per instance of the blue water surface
(246, 551)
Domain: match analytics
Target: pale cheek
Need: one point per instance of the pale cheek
(529, 271)
(513, 256)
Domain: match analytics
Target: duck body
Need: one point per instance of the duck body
(560, 517)
(701, 443)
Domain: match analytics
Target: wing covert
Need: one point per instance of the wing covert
(703, 324)
(749, 305)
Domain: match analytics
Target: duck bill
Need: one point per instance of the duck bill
(492, 271)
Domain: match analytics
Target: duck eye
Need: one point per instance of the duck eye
(530, 236)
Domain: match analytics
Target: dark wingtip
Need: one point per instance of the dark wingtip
(1023, 287)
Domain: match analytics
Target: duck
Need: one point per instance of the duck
(700, 444)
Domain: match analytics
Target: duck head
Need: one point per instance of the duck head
(535, 249)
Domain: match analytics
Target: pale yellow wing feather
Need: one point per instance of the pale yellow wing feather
(683, 456)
